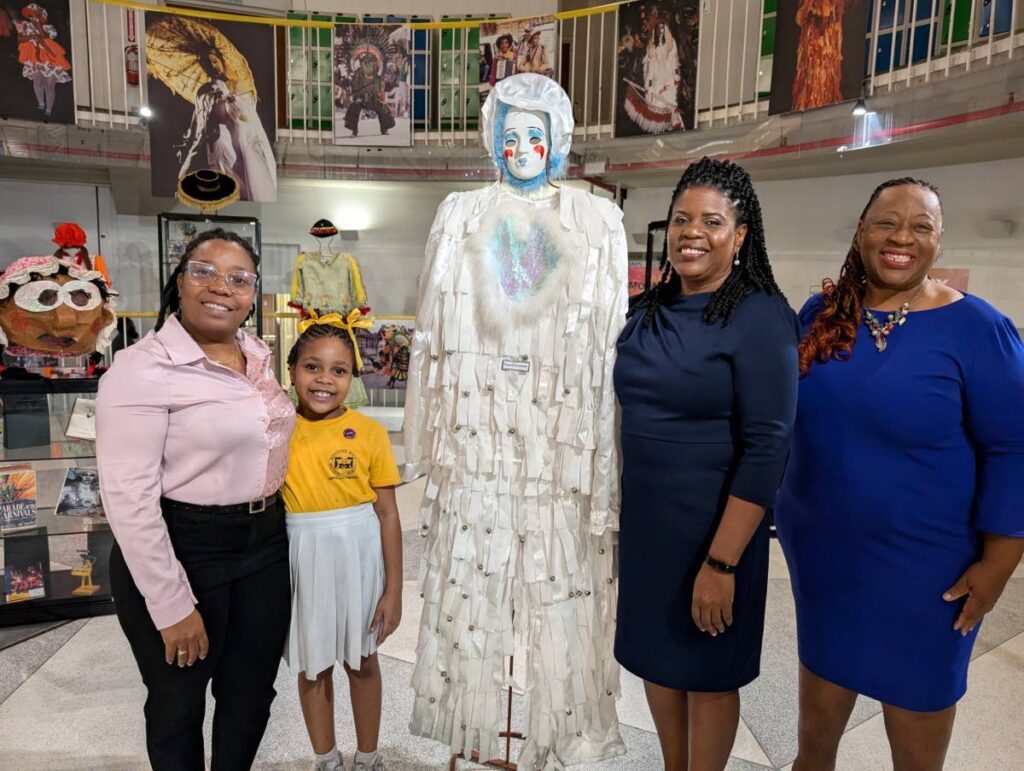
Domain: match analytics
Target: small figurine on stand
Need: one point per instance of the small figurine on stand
(53, 315)
(70, 240)
(84, 571)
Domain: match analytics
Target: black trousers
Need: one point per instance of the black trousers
(237, 565)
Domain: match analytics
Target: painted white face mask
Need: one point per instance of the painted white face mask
(526, 144)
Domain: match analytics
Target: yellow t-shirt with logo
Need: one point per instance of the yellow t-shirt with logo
(336, 463)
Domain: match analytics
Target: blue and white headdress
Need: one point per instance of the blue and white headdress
(528, 91)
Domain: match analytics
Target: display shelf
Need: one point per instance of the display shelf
(53, 567)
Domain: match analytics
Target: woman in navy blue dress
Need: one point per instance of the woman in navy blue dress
(706, 377)
(900, 513)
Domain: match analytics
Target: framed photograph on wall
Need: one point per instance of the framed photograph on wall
(372, 88)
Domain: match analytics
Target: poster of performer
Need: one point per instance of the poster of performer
(385, 352)
(211, 88)
(657, 67)
(508, 47)
(372, 85)
(819, 53)
(35, 61)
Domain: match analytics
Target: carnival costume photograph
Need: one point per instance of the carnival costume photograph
(510, 410)
(44, 61)
(197, 62)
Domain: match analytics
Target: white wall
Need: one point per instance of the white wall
(393, 220)
(809, 224)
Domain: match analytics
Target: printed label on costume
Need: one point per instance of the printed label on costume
(511, 365)
(343, 464)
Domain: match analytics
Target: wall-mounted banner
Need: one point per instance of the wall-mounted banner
(657, 67)
(371, 85)
(510, 47)
(35, 62)
(819, 53)
(211, 89)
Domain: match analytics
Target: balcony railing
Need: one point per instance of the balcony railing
(908, 42)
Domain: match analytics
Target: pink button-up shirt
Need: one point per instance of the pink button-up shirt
(170, 422)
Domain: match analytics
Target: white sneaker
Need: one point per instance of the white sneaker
(376, 765)
(337, 764)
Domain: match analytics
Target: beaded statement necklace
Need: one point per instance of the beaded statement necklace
(896, 318)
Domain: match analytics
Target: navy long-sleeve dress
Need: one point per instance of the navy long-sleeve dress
(900, 460)
(707, 412)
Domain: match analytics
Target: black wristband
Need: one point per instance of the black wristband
(721, 567)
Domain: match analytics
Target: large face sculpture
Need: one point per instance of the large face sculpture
(53, 306)
(525, 139)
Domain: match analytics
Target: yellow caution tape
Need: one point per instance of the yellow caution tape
(279, 21)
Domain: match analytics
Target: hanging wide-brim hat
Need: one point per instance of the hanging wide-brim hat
(323, 229)
(208, 190)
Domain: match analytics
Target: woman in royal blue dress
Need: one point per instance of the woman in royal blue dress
(900, 513)
(706, 377)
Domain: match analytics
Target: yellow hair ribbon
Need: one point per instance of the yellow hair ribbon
(355, 320)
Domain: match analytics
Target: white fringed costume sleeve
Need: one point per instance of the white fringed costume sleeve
(511, 411)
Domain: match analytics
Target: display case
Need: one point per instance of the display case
(54, 541)
(174, 231)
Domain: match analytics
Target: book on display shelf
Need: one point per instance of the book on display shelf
(80, 497)
(82, 423)
(17, 497)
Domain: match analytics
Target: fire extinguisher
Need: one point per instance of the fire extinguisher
(131, 51)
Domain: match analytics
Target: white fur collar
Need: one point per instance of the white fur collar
(496, 312)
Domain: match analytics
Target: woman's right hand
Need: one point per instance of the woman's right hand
(186, 641)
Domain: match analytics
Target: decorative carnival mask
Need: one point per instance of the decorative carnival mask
(53, 306)
(527, 130)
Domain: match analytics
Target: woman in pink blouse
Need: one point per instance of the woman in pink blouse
(192, 435)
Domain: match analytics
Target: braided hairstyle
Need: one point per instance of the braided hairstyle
(319, 332)
(170, 301)
(834, 330)
(753, 274)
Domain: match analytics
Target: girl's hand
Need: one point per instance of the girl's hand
(387, 616)
(712, 600)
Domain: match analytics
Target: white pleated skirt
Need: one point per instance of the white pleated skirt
(337, 569)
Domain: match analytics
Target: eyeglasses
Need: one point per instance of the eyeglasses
(204, 274)
(43, 296)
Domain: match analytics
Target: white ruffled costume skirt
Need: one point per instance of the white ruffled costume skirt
(337, 569)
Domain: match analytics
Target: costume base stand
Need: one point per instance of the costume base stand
(508, 735)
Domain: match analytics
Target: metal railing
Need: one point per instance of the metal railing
(908, 42)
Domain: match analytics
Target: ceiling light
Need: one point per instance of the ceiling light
(860, 108)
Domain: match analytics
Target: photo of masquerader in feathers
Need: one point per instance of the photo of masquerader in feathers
(371, 94)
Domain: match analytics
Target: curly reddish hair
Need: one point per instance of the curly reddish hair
(834, 330)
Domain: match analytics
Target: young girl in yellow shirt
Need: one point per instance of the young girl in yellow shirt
(344, 541)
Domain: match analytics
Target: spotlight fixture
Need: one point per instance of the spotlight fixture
(145, 111)
(860, 108)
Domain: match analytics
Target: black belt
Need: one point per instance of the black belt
(254, 507)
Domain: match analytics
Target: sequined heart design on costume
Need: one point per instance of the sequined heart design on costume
(523, 256)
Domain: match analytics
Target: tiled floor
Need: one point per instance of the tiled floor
(71, 698)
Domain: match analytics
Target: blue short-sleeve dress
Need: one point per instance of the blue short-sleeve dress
(900, 460)
(707, 412)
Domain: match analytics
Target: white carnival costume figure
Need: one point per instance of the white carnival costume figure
(511, 410)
